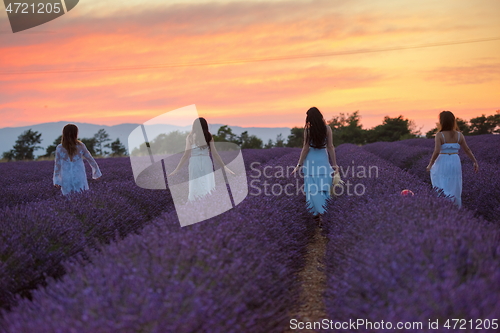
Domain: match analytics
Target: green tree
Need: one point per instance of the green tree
(296, 137)
(90, 143)
(8, 155)
(392, 129)
(225, 134)
(485, 124)
(165, 143)
(25, 146)
(117, 148)
(269, 144)
(280, 142)
(463, 126)
(51, 150)
(346, 128)
(101, 138)
(250, 141)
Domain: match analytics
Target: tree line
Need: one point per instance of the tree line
(29, 140)
(346, 128)
(476, 126)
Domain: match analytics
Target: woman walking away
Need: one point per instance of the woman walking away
(445, 167)
(200, 143)
(318, 142)
(69, 170)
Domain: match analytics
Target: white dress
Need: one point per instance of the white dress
(70, 173)
(446, 172)
(201, 173)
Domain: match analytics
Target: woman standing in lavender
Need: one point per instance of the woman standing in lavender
(199, 145)
(444, 166)
(69, 170)
(318, 143)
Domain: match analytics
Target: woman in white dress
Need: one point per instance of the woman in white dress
(318, 143)
(445, 166)
(69, 170)
(200, 144)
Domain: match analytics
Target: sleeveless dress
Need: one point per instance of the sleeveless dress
(70, 173)
(201, 173)
(317, 179)
(446, 173)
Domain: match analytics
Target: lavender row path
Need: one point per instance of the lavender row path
(411, 259)
(236, 272)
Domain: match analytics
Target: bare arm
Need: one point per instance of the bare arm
(469, 153)
(435, 154)
(331, 148)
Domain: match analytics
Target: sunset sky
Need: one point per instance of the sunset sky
(109, 63)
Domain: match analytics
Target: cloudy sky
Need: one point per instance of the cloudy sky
(253, 63)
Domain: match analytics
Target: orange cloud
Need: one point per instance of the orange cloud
(266, 93)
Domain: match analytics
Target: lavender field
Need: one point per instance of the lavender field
(114, 259)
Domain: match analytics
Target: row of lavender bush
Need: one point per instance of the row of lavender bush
(485, 147)
(481, 191)
(37, 235)
(232, 273)
(25, 181)
(413, 258)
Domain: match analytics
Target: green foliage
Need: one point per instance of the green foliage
(25, 146)
(463, 126)
(485, 124)
(117, 148)
(90, 143)
(51, 150)
(250, 141)
(101, 137)
(171, 143)
(225, 134)
(392, 129)
(280, 142)
(245, 141)
(346, 128)
(269, 144)
(296, 137)
(476, 126)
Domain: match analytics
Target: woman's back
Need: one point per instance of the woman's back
(64, 155)
(69, 171)
(450, 142)
(198, 150)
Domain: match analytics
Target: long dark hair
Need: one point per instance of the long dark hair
(447, 121)
(315, 128)
(200, 129)
(70, 139)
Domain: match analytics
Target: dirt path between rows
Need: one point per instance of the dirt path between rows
(313, 281)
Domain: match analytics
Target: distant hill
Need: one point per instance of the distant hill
(50, 131)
